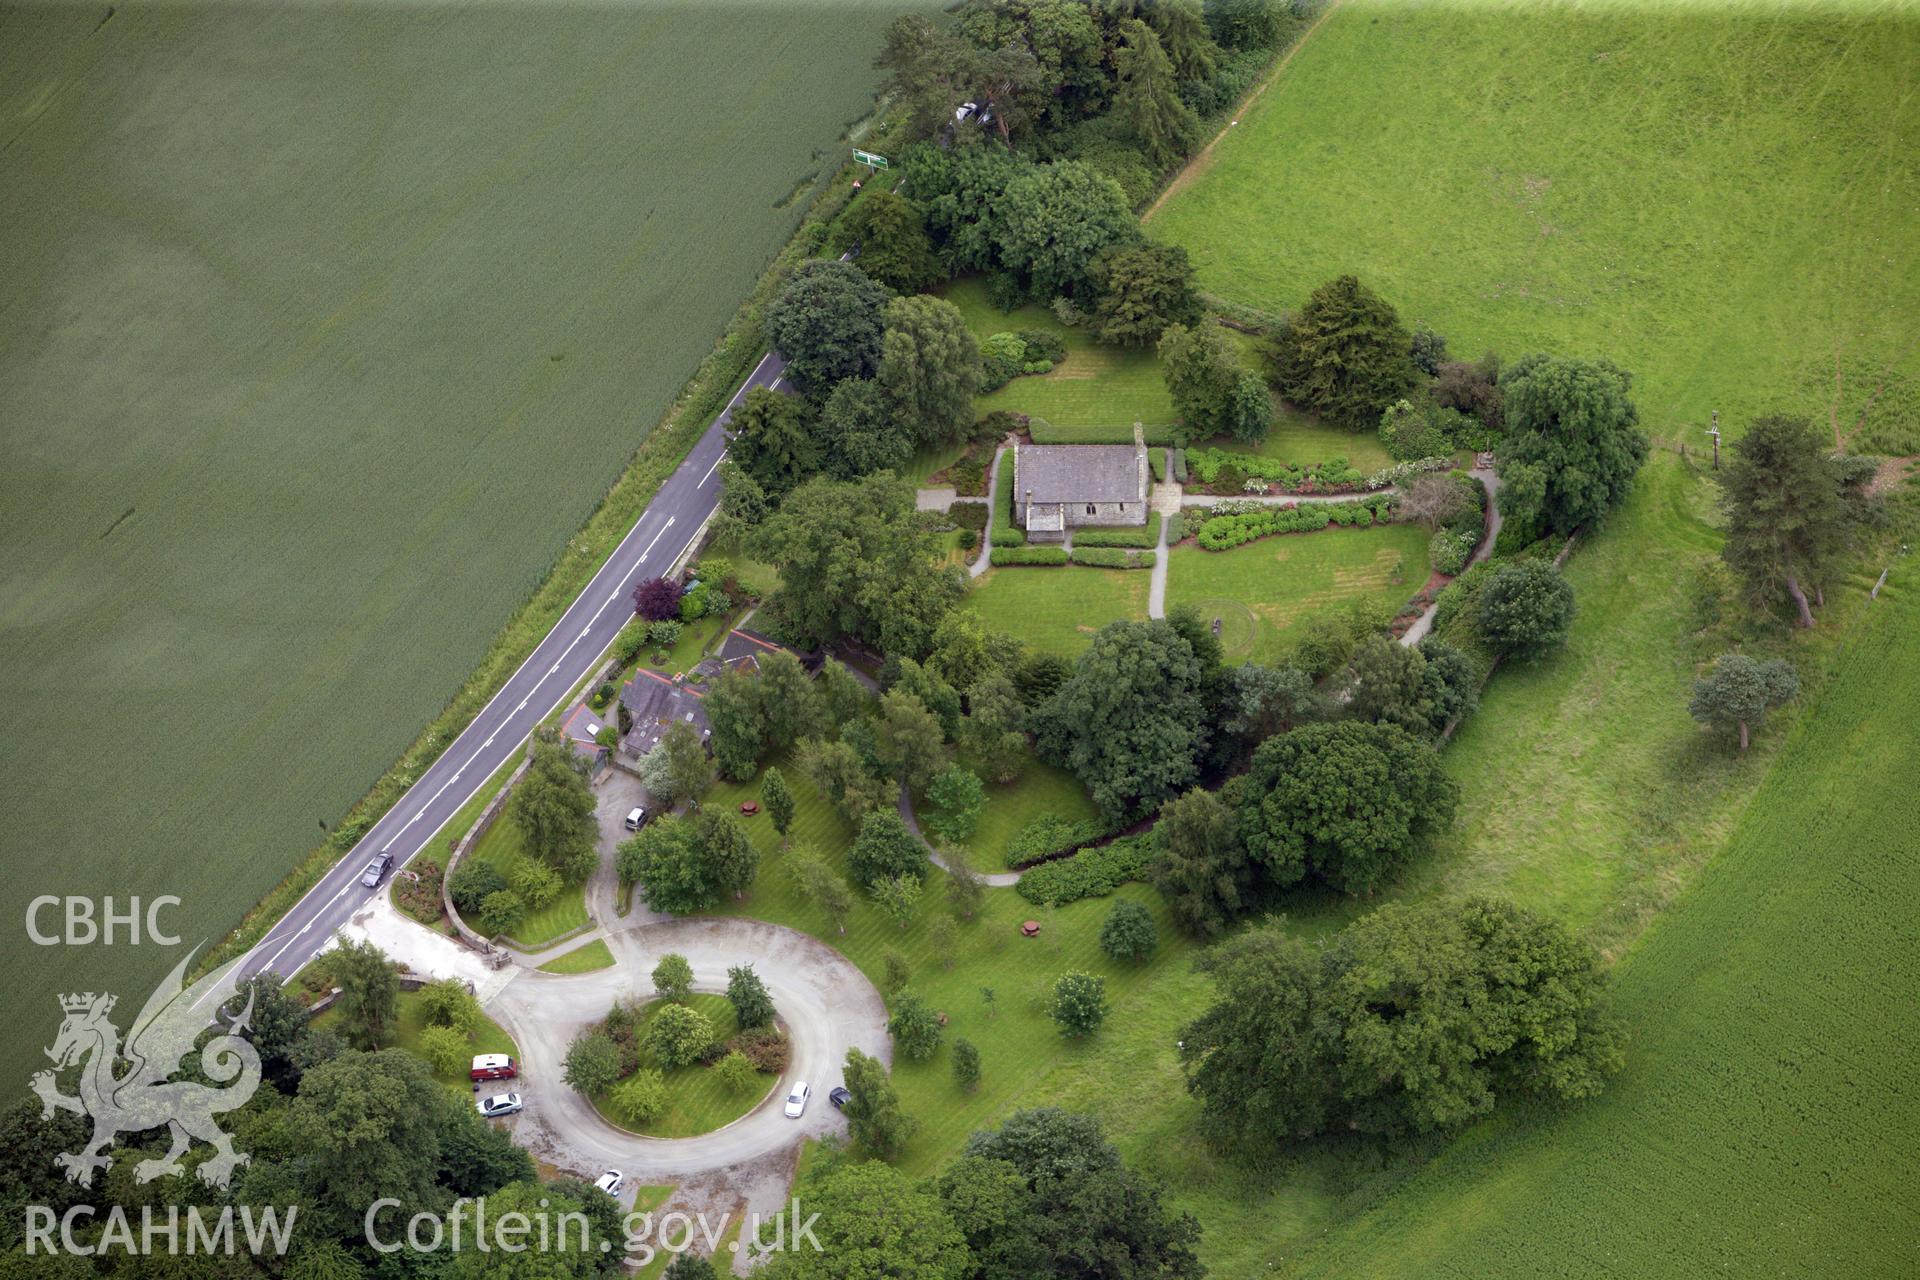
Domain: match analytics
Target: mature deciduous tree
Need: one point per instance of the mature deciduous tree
(1573, 442)
(1128, 932)
(592, 1063)
(677, 1034)
(1047, 1195)
(1413, 1018)
(673, 978)
(894, 246)
(1054, 220)
(1131, 723)
(656, 599)
(1201, 371)
(775, 441)
(553, 807)
(737, 718)
(369, 992)
(1345, 355)
(752, 1006)
(914, 1026)
(1200, 864)
(827, 322)
(1525, 609)
(1390, 686)
(885, 850)
(778, 799)
(1349, 803)
(1142, 288)
(958, 797)
(858, 433)
(823, 888)
(854, 562)
(929, 368)
(908, 740)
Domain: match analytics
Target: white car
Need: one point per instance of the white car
(797, 1100)
(500, 1104)
(610, 1182)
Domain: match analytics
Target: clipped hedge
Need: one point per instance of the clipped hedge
(1112, 558)
(1039, 556)
(1176, 527)
(968, 515)
(1221, 533)
(1091, 873)
(1145, 535)
(1051, 834)
(1003, 501)
(1179, 466)
(1007, 536)
(1158, 460)
(1044, 432)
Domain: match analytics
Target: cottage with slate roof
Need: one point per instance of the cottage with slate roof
(1071, 486)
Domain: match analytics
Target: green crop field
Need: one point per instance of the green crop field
(1260, 591)
(323, 328)
(1720, 198)
(1058, 610)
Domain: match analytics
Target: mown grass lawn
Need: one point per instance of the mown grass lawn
(504, 848)
(1058, 610)
(587, 959)
(488, 1037)
(1261, 591)
(1017, 1042)
(1100, 391)
(1298, 438)
(1040, 789)
(696, 1100)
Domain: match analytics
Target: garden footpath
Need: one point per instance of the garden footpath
(1484, 473)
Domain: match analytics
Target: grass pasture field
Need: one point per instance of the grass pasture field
(1766, 1119)
(1720, 198)
(1058, 609)
(324, 328)
(1259, 591)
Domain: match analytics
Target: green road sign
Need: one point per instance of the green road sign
(869, 159)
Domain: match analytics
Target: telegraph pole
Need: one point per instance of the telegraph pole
(1714, 431)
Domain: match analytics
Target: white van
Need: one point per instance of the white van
(636, 818)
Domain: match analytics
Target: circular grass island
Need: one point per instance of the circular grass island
(697, 1099)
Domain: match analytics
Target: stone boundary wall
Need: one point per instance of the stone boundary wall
(487, 817)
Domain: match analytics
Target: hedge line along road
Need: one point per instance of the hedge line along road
(568, 653)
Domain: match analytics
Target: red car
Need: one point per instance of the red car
(494, 1066)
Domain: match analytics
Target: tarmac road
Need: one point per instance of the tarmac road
(567, 654)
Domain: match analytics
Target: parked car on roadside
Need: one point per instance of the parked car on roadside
(840, 1096)
(500, 1104)
(611, 1181)
(493, 1066)
(636, 818)
(797, 1100)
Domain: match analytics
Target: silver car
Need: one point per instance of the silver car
(500, 1104)
(797, 1100)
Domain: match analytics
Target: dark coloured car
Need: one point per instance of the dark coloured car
(840, 1097)
(377, 870)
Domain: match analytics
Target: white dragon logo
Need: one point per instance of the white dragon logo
(144, 1097)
